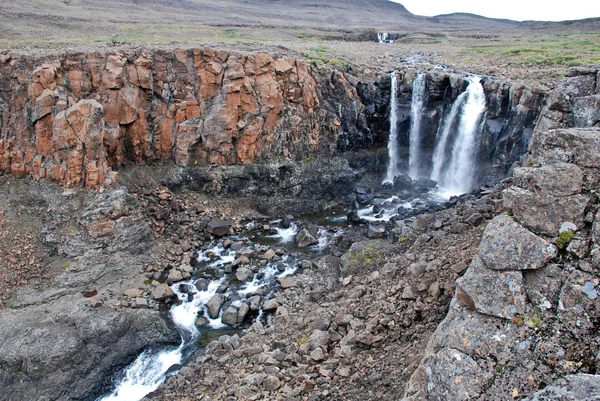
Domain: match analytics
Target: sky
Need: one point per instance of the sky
(518, 10)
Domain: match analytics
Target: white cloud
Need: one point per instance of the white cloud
(547, 10)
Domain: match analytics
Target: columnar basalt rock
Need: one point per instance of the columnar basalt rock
(193, 106)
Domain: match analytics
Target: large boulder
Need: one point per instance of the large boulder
(579, 387)
(304, 239)
(506, 245)
(495, 293)
(218, 227)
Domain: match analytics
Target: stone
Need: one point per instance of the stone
(286, 221)
(579, 305)
(243, 311)
(544, 213)
(175, 275)
(495, 293)
(417, 269)
(141, 302)
(374, 231)
(317, 355)
(543, 286)
(133, 292)
(161, 292)
(577, 387)
(96, 303)
(567, 226)
(304, 239)
(580, 146)
(230, 316)
(214, 305)
(410, 292)
(506, 245)
(557, 179)
(271, 383)
(268, 255)
(453, 375)
(286, 282)
(271, 304)
(243, 274)
(242, 260)
(475, 220)
(218, 227)
(254, 302)
(460, 267)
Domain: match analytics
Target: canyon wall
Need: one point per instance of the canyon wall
(77, 117)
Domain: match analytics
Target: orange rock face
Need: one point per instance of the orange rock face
(78, 118)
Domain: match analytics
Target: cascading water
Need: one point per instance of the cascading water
(416, 115)
(392, 168)
(151, 368)
(460, 174)
(439, 158)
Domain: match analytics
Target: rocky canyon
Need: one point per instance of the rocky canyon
(230, 201)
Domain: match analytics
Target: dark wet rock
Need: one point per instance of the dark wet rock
(286, 221)
(494, 293)
(364, 196)
(402, 182)
(453, 375)
(354, 218)
(304, 239)
(506, 245)
(218, 227)
(579, 387)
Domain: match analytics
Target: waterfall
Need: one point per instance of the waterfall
(392, 168)
(439, 152)
(460, 174)
(416, 113)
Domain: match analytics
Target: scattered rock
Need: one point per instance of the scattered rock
(304, 239)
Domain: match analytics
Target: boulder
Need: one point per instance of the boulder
(218, 227)
(304, 239)
(506, 245)
(162, 291)
(557, 179)
(243, 274)
(230, 316)
(544, 213)
(214, 305)
(580, 146)
(374, 231)
(495, 293)
(453, 375)
(579, 387)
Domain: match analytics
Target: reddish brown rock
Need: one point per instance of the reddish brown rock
(81, 116)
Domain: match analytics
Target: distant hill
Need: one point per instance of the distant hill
(159, 21)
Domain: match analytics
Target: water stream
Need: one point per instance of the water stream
(213, 276)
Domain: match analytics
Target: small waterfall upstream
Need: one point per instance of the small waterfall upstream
(416, 115)
(459, 176)
(392, 168)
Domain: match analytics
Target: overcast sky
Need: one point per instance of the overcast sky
(518, 10)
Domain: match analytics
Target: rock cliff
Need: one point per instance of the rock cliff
(76, 117)
(525, 313)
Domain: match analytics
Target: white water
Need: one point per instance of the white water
(392, 168)
(439, 152)
(459, 177)
(416, 116)
(148, 371)
(286, 235)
